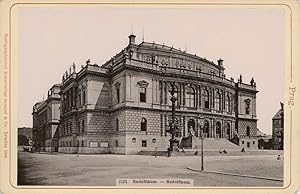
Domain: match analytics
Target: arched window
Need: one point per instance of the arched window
(248, 131)
(144, 124)
(247, 106)
(228, 130)
(227, 103)
(206, 127)
(218, 101)
(175, 95)
(190, 97)
(218, 129)
(205, 97)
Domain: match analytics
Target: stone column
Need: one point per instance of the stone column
(196, 96)
(200, 97)
(186, 127)
(165, 124)
(182, 126)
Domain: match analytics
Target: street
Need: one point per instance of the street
(103, 170)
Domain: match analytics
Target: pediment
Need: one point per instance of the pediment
(143, 83)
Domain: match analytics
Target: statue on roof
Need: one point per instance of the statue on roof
(281, 104)
(74, 67)
(88, 62)
(252, 82)
(241, 78)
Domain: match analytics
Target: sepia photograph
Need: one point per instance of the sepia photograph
(150, 96)
(158, 96)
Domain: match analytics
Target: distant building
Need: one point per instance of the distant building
(264, 140)
(24, 136)
(123, 106)
(278, 129)
(46, 115)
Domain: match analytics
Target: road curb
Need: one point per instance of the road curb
(239, 175)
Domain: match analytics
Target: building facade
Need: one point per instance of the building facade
(46, 116)
(124, 105)
(278, 129)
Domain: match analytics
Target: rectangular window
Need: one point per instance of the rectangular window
(243, 142)
(247, 108)
(254, 142)
(142, 94)
(117, 143)
(82, 143)
(144, 143)
(82, 128)
(83, 98)
(118, 94)
(117, 124)
(79, 99)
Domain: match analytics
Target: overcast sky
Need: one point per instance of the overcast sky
(250, 41)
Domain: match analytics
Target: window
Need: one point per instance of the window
(82, 126)
(190, 97)
(253, 142)
(82, 143)
(248, 131)
(79, 99)
(133, 140)
(205, 99)
(227, 103)
(243, 142)
(218, 101)
(206, 127)
(83, 97)
(142, 94)
(117, 124)
(117, 143)
(153, 140)
(144, 143)
(218, 129)
(247, 106)
(144, 124)
(118, 94)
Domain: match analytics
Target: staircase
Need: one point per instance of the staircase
(214, 144)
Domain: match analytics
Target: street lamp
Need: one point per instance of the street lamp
(201, 122)
(172, 124)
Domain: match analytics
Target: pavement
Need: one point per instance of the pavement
(103, 170)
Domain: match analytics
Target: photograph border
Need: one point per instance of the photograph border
(292, 58)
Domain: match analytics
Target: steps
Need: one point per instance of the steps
(214, 144)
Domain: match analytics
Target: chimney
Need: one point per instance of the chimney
(220, 62)
(131, 39)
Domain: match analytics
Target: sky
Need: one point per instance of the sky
(251, 42)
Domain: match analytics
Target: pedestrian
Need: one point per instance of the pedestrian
(278, 157)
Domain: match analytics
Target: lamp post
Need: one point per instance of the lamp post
(172, 124)
(201, 122)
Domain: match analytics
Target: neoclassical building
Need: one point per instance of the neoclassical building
(123, 106)
(46, 116)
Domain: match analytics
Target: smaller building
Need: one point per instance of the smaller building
(46, 115)
(278, 129)
(264, 140)
(24, 136)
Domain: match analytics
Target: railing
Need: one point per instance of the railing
(178, 71)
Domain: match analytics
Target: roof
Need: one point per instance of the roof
(278, 115)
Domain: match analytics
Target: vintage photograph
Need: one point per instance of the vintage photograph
(151, 95)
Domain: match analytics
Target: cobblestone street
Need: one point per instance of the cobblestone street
(103, 170)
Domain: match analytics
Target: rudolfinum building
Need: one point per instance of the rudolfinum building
(123, 106)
